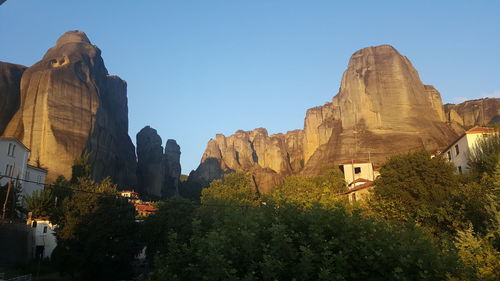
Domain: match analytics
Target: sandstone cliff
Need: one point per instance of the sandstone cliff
(382, 108)
(10, 94)
(474, 112)
(71, 106)
(158, 172)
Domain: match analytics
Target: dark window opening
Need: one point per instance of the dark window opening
(357, 170)
(459, 169)
(456, 149)
(33, 224)
(44, 229)
(449, 155)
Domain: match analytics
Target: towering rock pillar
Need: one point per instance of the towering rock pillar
(158, 173)
(172, 168)
(70, 106)
(10, 93)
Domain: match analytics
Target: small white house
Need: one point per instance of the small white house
(14, 158)
(458, 152)
(359, 176)
(43, 237)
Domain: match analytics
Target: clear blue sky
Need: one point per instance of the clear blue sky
(197, 68)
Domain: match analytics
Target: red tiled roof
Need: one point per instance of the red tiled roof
(360, 180)
(475, 130)
(355, 162)
(360, 187)
(128, 191)
(145, 208)
(480, 130)
(46, 218)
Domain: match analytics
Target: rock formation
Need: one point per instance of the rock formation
(158, 172)
(71, 106)
(474, 112)
(382, 108)
(10, 94)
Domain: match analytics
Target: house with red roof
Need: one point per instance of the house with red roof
(458, 151)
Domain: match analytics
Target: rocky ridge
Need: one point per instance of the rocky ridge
(382, 108)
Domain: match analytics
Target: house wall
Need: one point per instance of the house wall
(18, 160)
(33, 174)
(465, 145)
(40, 238)
(366, 172)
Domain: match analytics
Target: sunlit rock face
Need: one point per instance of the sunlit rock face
(70, 106)
(10, 92)
(158, 170)
(474, 112)
(382, 109)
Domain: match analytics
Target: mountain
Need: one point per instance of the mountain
(158, 170)
(71, 106)
(382, 108)
(474, 112)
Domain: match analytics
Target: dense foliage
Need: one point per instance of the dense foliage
(295, 243)
(307, 191)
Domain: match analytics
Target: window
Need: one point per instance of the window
(456, 149)
(357, 170)
(12, 148)
(33, 224)
(460, 169)
(449, 155)
(44, 229)
(8, 170)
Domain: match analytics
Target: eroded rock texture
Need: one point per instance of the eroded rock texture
(158, 172)
(474, 112)
(71, 106)
(382, 109)
(10, 93)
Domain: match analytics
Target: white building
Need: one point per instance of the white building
(43, 237)
(359, 176)
(14, 157)
(458, 152)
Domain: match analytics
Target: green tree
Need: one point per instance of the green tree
(485, 156)
(13, 202)
(97, 235)
(174, 217)
(416, 187)
(40, 203)
(420, 189)
(307, 191)
(233, 188)
(294, 243)
(479, 259)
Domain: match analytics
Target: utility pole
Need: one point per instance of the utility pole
(8, 192)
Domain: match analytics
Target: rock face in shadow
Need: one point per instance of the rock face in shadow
(10, 93)
(158, 172)
(474, 112)
(382, 108)
(71, 106)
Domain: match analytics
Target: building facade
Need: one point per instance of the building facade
(359, 176)
(14, 158)
(459, 151)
